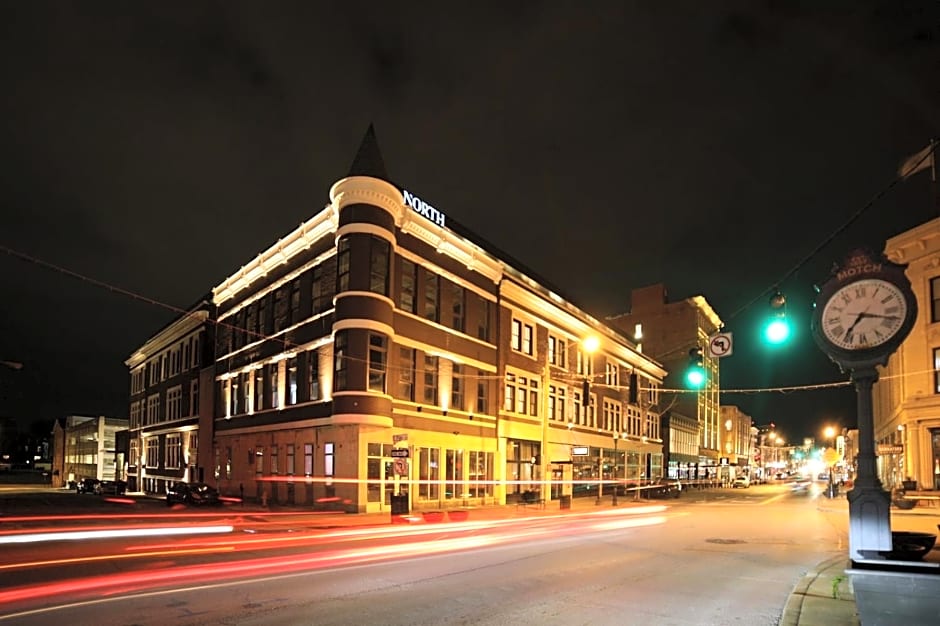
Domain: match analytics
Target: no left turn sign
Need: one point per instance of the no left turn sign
(720, 345)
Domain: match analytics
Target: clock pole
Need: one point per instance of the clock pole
(863, 313)
(869, 503)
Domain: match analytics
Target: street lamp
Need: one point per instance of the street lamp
(830, 433)
(588, 346)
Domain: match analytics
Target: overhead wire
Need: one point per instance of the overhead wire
(902, 175)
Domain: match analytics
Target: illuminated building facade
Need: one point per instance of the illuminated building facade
(907, 395)
(377, 352)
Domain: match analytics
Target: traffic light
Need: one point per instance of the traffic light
(695, 373)
(777, 329)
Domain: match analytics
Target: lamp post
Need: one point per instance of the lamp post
(830, 435)
(588, 346)
(617, 437)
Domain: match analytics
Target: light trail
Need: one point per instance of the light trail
(401, 542)
(112, 533)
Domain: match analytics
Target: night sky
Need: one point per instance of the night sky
(711, 146)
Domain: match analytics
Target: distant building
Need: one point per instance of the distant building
(681, 436)
(736, 437)
(171, 403)
(667, 331)
(90, 450)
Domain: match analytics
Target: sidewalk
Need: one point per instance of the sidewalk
(823, 597)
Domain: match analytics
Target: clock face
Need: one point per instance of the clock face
(863, 314)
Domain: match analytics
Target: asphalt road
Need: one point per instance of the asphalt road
(712, 557)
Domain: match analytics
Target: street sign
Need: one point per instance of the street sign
(720, 345)
(399, 453)
(400, 467)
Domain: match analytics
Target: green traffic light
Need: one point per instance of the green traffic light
(777, 331)
(695, 377)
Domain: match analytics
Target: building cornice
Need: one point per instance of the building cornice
(168, 335)
(320, 225)
(914, 243)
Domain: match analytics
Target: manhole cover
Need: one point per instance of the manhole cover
(725, 541)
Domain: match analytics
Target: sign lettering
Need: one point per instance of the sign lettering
(425, 209)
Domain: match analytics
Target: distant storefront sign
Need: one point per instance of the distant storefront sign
(579, 451)
(890, 448)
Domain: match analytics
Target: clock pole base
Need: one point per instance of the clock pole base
(869, 523)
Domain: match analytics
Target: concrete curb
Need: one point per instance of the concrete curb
(811, 603)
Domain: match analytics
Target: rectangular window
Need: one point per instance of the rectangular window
(194, 448)
(289, 468)
(483, 398)
(612, 416)
(243, 399)
(321, 295)
(429, 473)
(483, 319)
(556, 403)
(585, 363)
(406, 374)
(430, 379)
(557, 349)
(153, 452)
(197, 360)
(294, 316)
(135, 415)
(611, 374)
(378, 266)
(308, 459)
(409, 278)
(453, 473)
(480, 474)
(936, 368)
(342, 265)
(172, 451)
(378, 359)
(263, 323)
(251, 324)
(935, 299)
(340, 343)
(458, 307)
(328, 460)
(431, 296)
(194, 396)
(259, 389)
(521, 337)
(273, 392)
(235, 396)
(280, 308)
(522, 395)
(174, 402)
(291, 381)
(153, 408)
(457, 387)
(133, 454)
(274, 460)
(313, 375)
